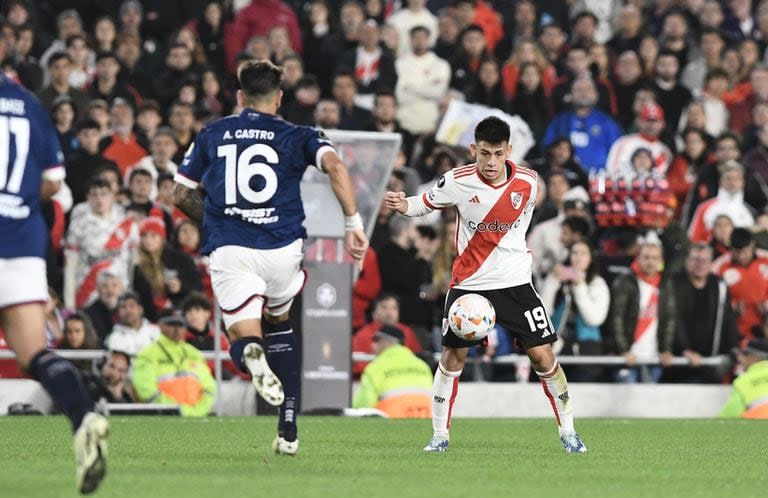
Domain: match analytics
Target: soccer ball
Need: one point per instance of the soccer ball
(471, 317)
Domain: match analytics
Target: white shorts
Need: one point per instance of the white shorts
(245, 280)
(22, 281)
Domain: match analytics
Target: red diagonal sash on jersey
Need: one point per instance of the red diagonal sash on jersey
(115, 242)
(119, 235)
(482, 244)
(648, 315)
(88, 286)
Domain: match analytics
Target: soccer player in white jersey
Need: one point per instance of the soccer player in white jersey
(250, 166)
(494, 199)
(31, 167)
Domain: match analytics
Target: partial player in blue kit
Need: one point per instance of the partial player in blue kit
(31, 167)
(250, 168)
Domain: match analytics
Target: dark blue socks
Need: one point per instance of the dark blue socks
(64, 385)
(236, 351)
(283, 358)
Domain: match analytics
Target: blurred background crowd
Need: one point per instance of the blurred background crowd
(650, 121)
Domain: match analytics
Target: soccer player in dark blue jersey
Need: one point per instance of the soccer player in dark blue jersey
(250, 166)
(31, 167)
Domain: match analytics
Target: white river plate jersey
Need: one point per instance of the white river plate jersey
(492, 223)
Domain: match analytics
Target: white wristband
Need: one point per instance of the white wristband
(354, 222)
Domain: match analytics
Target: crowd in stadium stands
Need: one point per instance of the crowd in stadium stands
(650, 121)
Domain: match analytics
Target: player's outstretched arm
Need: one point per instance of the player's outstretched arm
(412, 207)
(189, 202)
(355, 240)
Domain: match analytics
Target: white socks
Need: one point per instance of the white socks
(555, 386)
(444, 391)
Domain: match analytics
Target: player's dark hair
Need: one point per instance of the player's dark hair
(259, 79)
(741, 238)
(492, 130)
(196, 300)
(57, 56)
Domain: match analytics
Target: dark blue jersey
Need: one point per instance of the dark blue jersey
(29, 150)
(251, 166)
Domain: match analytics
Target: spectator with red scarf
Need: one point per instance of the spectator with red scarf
(642, 315)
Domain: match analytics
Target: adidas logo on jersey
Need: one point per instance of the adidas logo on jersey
(475, 200)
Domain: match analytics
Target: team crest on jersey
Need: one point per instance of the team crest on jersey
(517, 199)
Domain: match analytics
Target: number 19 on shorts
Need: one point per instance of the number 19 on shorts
(538, 321)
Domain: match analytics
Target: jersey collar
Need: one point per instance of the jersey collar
(252, 112)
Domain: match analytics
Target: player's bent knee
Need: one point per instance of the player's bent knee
(542, 357)
(274, 319)
(453, 359)
(245, 328)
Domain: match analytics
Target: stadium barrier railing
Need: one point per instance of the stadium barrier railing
(512, 359)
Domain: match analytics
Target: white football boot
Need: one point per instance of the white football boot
(264, 380)
(283, 447)
(91, 452)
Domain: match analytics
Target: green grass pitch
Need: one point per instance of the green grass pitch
(167, 457)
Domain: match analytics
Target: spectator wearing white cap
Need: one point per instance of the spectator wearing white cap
(729, 202)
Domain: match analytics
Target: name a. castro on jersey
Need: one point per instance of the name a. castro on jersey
(12, 106)
(258, 216)
(249, 134)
